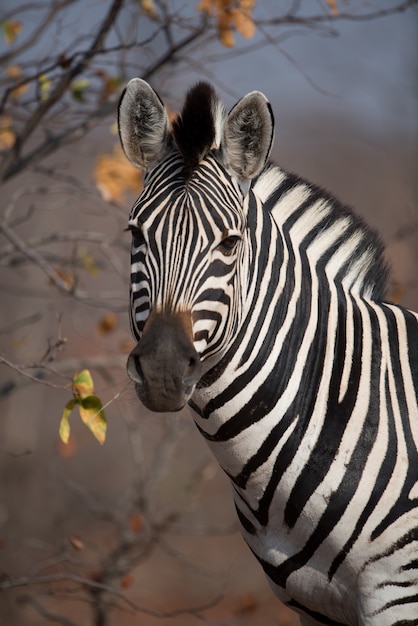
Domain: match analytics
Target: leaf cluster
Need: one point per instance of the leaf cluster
(89, 406)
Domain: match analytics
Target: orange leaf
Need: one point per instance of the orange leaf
(333, 7)
(225, 31)
(66, 276)
(243, 23)
(247, 603)
(14, 72)
(107, 324)
(7, 134)
(126, 581)
(114, 175)
(136, 523)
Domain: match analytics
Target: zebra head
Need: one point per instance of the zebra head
(190, 241)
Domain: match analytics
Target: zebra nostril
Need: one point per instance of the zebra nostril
(138, 367)
(134, 368)
(192, 370)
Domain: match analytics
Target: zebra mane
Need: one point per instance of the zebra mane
(198, 127)
(364, 268)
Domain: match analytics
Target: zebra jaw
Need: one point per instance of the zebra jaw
(164, 365)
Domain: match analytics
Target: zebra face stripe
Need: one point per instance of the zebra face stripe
(187, 251)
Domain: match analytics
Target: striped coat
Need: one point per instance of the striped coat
(259, 299)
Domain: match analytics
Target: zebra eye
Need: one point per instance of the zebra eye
(228, 244)
(137, 235)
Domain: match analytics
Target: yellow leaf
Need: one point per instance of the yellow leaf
(14, 72)
(44, 84)
(148, 7)
(7, 134)
(88, 261)
(114, 175)
(93, 415)
(83, 385)
(64, 429)
(11, 29)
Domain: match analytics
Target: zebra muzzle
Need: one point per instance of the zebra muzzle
(164, 365)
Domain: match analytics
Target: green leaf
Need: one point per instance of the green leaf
(10, 29)
(93, 415)
(78, 87)
(64, 429)
(83, 385)
(44, 84)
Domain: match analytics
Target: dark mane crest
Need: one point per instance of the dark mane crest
(195, 128)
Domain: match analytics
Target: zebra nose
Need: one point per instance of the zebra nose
(134, 368)
(187, 367)
(164, 365)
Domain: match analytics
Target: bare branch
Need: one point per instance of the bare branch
(6, 168)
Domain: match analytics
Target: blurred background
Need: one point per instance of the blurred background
(141, 529)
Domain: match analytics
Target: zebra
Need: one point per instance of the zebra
(258, 299)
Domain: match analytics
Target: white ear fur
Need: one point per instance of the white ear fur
(143, 124)
(248, 136)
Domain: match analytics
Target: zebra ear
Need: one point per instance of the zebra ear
(143, 124)
(248, 136)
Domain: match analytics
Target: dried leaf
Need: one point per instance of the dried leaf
(92, 414)
(397, 292)
(107, 324)
(65, 275)
(11, 29)
(225, 31)
(7, 134)
(333, 7)
(148, 7)
(247, 603)
(83, 385)
(243, 23)
(14, 72)
(126, 581)
(114, 175)
(136, 523)
(126, 345)
(205, 6)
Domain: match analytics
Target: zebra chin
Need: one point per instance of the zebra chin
(162, 402)
(164, 365)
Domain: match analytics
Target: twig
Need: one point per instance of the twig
(25, 581)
